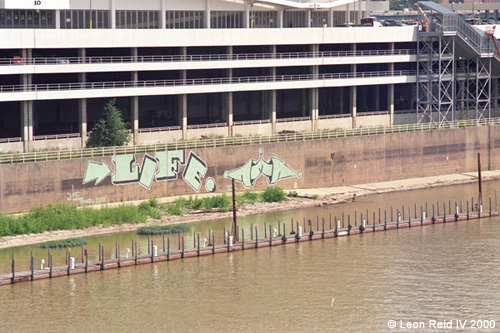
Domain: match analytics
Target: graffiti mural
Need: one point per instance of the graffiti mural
(274, 169)
(164, 166)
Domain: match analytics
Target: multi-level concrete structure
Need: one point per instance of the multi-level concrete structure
(192, 68)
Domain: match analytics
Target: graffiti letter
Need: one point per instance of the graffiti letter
(96, 171)
(274, 169)
(195, 170)
(148, 170)
(168, 164)
(126, 170)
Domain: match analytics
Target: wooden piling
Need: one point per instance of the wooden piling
(102, 258)
(82, 253)
(163, 242)
(136, 252)
(13, 269)
(152, 252)
(86, 261)
(118, 254)
(133, 248)
(194, 239)
(149, 245)
(444, 212)
(242, 239)
(330, 222)
(32, 266)
(270, 236)
(116, 250)
(68, 260)
(265, 229)
(179, 241)
(182, 252)
(213, 242)
(323, 232)
(421, 216)
(257, 237)
(198, 244)
(50, 263)
(467, 209)
(168, 249)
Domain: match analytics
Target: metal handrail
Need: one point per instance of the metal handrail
(201, 57)
(201, 81)
(230, 141)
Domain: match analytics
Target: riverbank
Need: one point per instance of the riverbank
(327, 196)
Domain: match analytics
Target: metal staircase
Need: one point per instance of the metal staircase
(456, 64)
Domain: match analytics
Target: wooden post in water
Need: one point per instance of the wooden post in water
(403, 211)
(330, 222)
(32, 268)
(409, 217)
(198, 245)
(449, 207)
(182, 252)
(251, 231)
(270, 236)
(116, 250)
(102, 258)
(235, 223)
(213, 242)
(444, 212)
(163, 236)
(152, 252)
(194, 239)
(480, 183)
(179, 240)
(490, 205)
(323, 223)
(133, 252)
(50, 263)
(136, 252)
(224, 237)
(265, 229)
(415, 209)
(118, 254)
(467, 209)
(82, 253)
(68, 254)
(86, 261)
(385, 219)
(242, 239)
(168, 249)
(13, 280)
(149, 245)
(257, 237)
(437, 205)
(373, 221)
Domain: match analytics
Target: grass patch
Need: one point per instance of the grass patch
(63, 244)
(163, 229)
(69, 217)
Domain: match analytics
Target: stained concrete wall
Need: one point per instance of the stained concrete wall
(356, 160)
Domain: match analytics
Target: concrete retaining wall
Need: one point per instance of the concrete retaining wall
(356, 160)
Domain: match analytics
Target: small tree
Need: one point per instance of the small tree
(110, 129)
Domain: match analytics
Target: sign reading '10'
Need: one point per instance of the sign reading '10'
(37, 4)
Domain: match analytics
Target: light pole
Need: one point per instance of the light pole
(473, 9)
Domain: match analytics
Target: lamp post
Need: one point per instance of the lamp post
(473, 8)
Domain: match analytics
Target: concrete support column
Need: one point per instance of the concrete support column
(247, 15)
(135, 119)
(308, 18)
(487, 14)
(390, 103)
(330, 18)
(163, 14)
(280, 18)
(82, 105)
(112, 6)
(495, 15)
(134, 110)
(273, 97)
(353, 93)
(207, 14)
(229, 98)
(358, 19)
(183, 101)
(348, 14)
(27, 113)
(58, 18)
(314, 94)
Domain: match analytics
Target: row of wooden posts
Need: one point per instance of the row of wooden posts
(341, 222)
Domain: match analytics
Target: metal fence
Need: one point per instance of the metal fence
(233, 141)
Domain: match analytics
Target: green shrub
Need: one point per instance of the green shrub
(273, 194)
(292, 194)
(64, 243)
(163, 229)
(250, 197)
